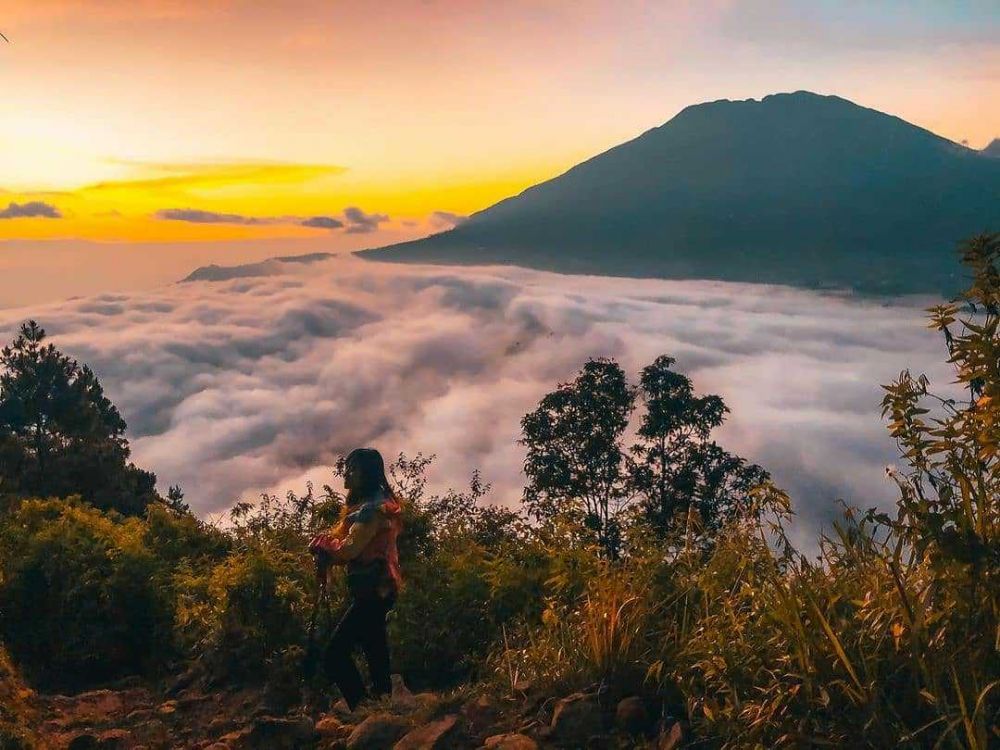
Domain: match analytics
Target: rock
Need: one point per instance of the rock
(377, 732)
(343, 712)
(575, 719)
(329, 726)
(402, 699)
(187, 702)
(167, 708)
(111, 739)
(480, 712)
(510, 742)
(151, 732)
(631, 715)
(281, 733)
(427, 701)
(232, 740)
(432, 736)
(183, 681)
(671, 737)
(219, 725)
(85, 708)
(139, 715)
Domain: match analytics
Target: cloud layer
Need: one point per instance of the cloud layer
(197, 216)
(256, 378)
(359, 222)
(354, 221)
(31, 209)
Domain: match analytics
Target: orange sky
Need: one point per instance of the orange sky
(254, 116)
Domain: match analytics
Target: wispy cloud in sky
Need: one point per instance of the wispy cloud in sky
(31, 209)
(354, 220)
(359, 222)
(323, 222)
(198, 216)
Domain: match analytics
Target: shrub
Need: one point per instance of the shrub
(15, 715)
(82, 597)
(244, 611)
(455, 605)
(180, 537)
(595, 628)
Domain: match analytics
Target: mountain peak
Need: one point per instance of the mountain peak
(796, 188)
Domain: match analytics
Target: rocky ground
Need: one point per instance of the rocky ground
(133, 716)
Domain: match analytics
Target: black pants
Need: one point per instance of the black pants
(362, 625)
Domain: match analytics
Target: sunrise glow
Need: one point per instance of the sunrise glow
(118, 115)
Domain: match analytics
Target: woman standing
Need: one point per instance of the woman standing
(365, 542)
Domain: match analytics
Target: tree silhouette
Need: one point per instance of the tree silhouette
(59, 433)
(575, 463)
(678, 467)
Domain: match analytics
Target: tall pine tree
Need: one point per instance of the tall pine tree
(59, 433)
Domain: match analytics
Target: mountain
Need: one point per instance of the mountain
(797, 189)
(993, 150)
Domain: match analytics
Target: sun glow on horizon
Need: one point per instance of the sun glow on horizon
(116, 114)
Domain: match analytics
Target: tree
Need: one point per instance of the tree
(59, 434)
(576, 465)
(678, 467)
(575, 462)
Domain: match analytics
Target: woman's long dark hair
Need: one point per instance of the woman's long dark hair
(371, 468)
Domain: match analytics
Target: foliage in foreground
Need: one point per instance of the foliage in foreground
(891, 637)
(16, 715)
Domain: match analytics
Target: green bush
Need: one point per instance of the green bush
(180, 537)
(15, 715)
(454, 607)
(83, 599)
(241, 613)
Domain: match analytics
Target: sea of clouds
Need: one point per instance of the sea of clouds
(256, 378)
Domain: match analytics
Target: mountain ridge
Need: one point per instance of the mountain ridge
(795, 188)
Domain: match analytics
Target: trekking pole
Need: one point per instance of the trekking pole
(310, 657)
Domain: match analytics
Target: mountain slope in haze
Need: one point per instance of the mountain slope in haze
(795, 189)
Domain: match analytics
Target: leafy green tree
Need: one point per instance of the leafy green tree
(575, 462)
(677, 466)
(577, 467)
(59, 433)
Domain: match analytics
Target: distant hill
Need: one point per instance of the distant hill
(215, 272)
(993, 150)
(794, 189)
